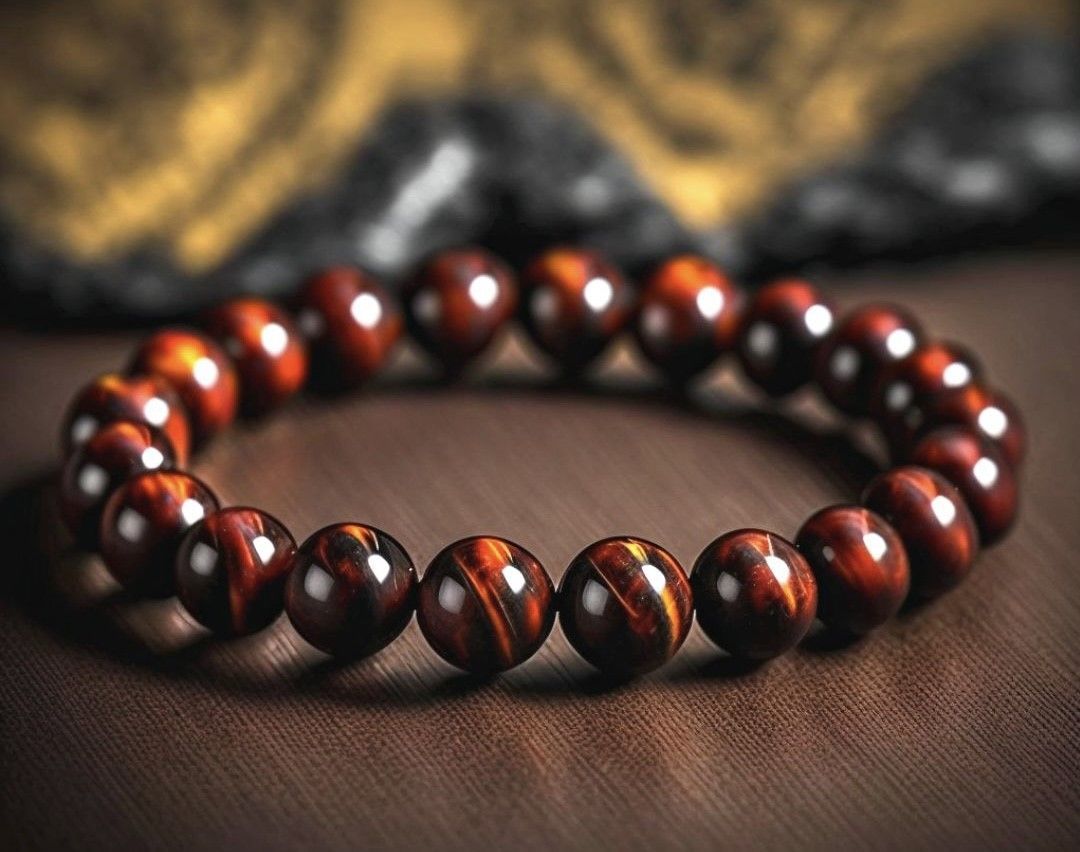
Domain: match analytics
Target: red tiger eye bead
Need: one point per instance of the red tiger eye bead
(933, 522)
(573, 304)
(351, 590)
(143, 524)
(231, 569)
(625, 605)
(782, 329)
(351, 323)
(990, 414)
(860, 564)
(754, 594)
(853, 356)
(266, 347)
(200, 373)
(139, 399)
(979, 470)
(689, 316)
(458, 303)
(116, 452)
(485, 604)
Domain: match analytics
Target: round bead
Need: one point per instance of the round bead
(933, 522)
(116, 452)
(266, 347)
(625, 605)
(990, 414)
(860, 564)
(979, 471)
(485, 604)
(231, 570)
(143, 524)
(754, 593)
(458, 303)
(351, 590)
(782, 330)
(573, 304)
(200, 373)
(351, 324)
(852, 357)
(139, 399)
(689, 316)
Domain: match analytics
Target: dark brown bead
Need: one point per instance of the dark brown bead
(689, 316)
(990, 414)
(850, 361)
(143, 524)
(754, 594)
(139, 399)
(351, 590)
(200, 373)
(782, 330)
(933, 522)
(116, 452)
(573, 304)
(625, 605)
(266, 347)
(979, 470)
(351, 323)
(485, 605)
(231, 570)
(860, 564)
(458, 302)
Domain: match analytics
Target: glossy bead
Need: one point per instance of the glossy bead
(933, 522)
(782, 330)
(458, 303)
(139, 399)
(979, 471)
(754, 594)
(850, 361)
(689, 315)
(351, 324)
(351, 590)
(142, 526)
(485, 604)
(231, 569)
(988, 413)
(266, 347)
(625, 605)
(200, 373)
(573, 304)
(116, 452)
(860, 564)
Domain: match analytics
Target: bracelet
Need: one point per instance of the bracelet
(486, 604)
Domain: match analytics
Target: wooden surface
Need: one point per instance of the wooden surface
(957, 724)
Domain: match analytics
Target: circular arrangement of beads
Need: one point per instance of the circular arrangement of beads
(486, 604)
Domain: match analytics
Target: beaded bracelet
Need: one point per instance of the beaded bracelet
(486, 604)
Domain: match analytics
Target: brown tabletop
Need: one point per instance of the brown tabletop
(956, 724)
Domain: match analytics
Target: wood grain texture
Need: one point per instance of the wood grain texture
(958, 723)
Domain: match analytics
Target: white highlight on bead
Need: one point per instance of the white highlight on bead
(898, 396)
(274, 338)
(900, 342)
(818, 320)
(761, 340)
(598, 293)
(710, 302)
(728, 587)
(152, 458)
(828, 553)
(844, 363)
(205, 372)
(191, 511)
(93, 480)
(944, 509)
(83, 427)
(378, 566)
(514, 578)
(318, 582)
(484, 290)
(594, 597)
(203, 559)
(986, 472)
(451, 595)
(780, 569)
(366, 309)
(956, 375)
(875, 545)
(993, 422)
(130, 525)
(156, 411)
(655, 577)
(264, 548)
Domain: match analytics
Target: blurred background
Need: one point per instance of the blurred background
(153, 155)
